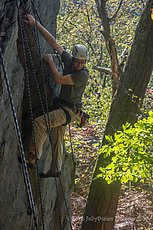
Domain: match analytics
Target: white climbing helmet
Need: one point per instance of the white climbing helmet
(80, 52)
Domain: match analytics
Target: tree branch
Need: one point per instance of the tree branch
(123, 58)
(101, 7)
(114, 16)
(84, 38)
(102, 69)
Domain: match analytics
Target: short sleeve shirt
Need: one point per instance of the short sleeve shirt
(73, 93)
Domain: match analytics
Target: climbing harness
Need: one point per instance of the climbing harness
(84, 117)
(20, 144)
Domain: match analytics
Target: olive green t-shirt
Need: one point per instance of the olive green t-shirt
(73, 93)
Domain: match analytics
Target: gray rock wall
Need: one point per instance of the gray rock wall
(52, 197)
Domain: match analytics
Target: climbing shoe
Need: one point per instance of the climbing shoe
(31, 160)
(50, 174)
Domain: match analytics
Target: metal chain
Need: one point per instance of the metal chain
(30, 105)
(47, 128)
(43, 110)
(45, 73)
(18, 134)
(72, 152)
(52, 147)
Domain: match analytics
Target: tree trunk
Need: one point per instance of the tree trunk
(103, 198)
(110, 44)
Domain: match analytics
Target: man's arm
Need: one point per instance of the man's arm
(48, 37)
(58, 77)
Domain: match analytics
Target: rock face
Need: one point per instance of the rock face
(51, 196)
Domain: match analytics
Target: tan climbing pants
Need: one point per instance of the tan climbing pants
(55, 121)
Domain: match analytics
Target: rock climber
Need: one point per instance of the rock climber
(67, 106)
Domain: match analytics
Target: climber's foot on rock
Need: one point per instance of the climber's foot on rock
(30, 159)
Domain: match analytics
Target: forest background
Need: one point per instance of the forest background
(79, 22)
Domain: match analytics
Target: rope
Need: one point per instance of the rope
(18, 134)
